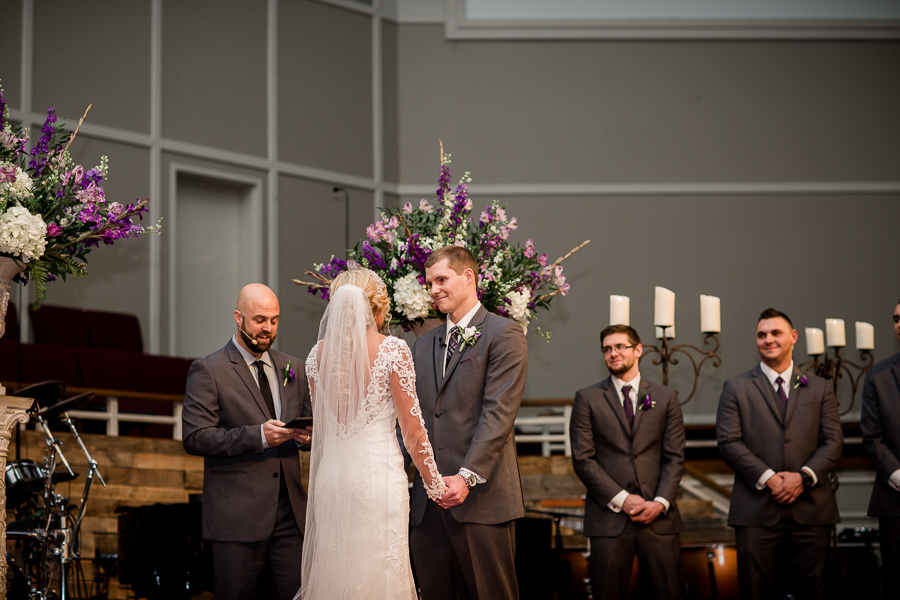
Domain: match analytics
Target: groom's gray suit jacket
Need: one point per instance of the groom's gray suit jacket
(470, 413)
(223, 411)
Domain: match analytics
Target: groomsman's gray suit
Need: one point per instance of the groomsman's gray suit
(608, 458)
(756, 432)
(249, 493)
(469, 415)
(880, 424)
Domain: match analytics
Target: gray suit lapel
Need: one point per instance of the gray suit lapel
(243, 371)
(768, 394)
(793, 393)
(896, 371)
(477, 321)
(439, 350)
(612, 398)
(639, 412)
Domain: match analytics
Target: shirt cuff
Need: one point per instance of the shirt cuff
(764, 478)
(262, 433)
(664, 502)
(478, 478)
(811, 474)
(894, 481)
(618, 501)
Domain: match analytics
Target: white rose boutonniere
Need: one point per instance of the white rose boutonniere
(469, 335)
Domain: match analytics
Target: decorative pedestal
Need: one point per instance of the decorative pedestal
(12, 412)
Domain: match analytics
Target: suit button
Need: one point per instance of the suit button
(275, 475)
(437, 415)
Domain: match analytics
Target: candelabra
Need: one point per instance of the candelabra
(667, 356)
(834, 369)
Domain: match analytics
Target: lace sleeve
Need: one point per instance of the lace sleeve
(412, 426)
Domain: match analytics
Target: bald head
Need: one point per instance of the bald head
(256, 315)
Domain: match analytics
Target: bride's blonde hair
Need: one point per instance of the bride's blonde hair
(371, 284)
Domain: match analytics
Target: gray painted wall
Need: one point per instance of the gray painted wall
(513, 113)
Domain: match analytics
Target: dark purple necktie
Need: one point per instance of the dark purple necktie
(451, 346)
(627, 405)
(781, 393)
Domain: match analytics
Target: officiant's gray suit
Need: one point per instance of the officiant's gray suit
(756, 432)
(244, 484)
(469, 414)
(648, 460)
(880, 424)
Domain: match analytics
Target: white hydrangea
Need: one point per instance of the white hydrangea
(20, 189)
(411, 297)
(518, 307)
(22, 233)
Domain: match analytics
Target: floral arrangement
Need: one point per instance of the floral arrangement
(513, 281)
(647, 402)
(52, 211)
(802, 380)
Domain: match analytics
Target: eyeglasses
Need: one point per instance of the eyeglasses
(619, 348)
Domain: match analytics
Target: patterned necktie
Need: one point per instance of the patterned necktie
(781, 393)
(627, 405)
(452, 345)
(264, 387)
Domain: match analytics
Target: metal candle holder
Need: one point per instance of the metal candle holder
(667, 357)
(833, 369)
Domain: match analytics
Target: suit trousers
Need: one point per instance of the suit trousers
(238, 566)
(659, 557)
(455, 561)
(785, 558)
(889, 538)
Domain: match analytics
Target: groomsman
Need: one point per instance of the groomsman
(780, 431)
(628, 448)
(880, 426)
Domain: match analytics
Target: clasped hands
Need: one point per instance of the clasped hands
(642, 511)
(277, 434)
(786, 486)
(455, 493)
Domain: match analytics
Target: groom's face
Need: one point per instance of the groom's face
(449, 290)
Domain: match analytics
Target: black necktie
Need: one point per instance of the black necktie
(264, 387)
(627, 405)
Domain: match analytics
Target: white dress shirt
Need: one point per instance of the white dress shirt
(271, 375)
(618, 500)
(464, 322)
(771, 374)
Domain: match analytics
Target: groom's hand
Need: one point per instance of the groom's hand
(457, 490)
(275, 432)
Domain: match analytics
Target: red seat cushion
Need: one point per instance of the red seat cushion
(108, 369)
(115, 331)
(163, 374)
(44, 362)
(62, 326)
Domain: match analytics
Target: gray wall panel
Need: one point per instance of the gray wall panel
(11, 54)
(117, 275)
(96, 53)
(214, 74)
(390, 110)
(325, 87)
(807, 256)
(649, 111)
(310, 230)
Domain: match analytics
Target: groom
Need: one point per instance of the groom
(469, 378)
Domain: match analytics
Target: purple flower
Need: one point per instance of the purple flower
(529, 248)
(7, 173)
(42, 148)
(647, 402)
(2, 110)
(53, 230)
(801, 380)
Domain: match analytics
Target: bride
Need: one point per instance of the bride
(357, 522)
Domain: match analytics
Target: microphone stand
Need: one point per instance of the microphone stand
(54, 443)
(90, 476)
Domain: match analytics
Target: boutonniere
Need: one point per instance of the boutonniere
(288, 373)
(469, 335)
(646, 403)
(801, 381)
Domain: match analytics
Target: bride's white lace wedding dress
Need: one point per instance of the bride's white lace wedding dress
(357, 522)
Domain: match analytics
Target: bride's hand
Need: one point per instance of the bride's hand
(456, 493)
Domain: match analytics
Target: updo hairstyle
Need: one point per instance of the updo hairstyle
(371, 284)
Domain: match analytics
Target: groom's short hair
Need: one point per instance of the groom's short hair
(632, 334)
(458, 258)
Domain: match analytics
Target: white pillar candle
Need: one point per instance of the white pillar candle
(619, 310)
(664, 313)
(834, 331)
(710, 315)
(815, 341)
(670, 333)
(865, 336)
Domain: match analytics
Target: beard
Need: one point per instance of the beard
(257, 345)
(621, 369)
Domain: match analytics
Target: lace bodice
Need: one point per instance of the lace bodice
(393, 382)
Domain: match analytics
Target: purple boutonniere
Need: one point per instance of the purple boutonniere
(288, 373)
(647, 402)
(801, 381)
(469, 335)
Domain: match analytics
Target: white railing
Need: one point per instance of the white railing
(113, 417)
(551, 430)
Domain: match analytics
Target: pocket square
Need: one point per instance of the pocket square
(466, 359)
